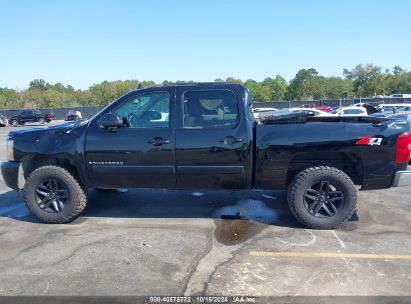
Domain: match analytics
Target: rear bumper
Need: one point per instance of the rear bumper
(402, 178)
(12, 174)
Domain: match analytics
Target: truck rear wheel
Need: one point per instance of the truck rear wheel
(322, 197)
(14, 123)
(54, 195)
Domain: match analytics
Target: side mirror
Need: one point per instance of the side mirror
(110, 120)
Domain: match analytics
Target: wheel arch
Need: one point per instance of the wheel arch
(349, 163)
(33, 161)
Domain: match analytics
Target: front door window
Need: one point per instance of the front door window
(149, 110)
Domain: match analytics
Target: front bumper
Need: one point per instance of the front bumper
(402, 178)
(12, 174)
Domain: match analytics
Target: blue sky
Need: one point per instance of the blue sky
(81, 42)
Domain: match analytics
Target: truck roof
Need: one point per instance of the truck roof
(195, 84)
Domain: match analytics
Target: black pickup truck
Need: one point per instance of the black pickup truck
(26, 116)
(204, 136)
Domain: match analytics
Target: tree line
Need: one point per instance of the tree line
(362, 81)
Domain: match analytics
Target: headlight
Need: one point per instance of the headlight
(10, 149)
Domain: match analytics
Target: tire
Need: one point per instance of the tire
(41, 121)
(322, 197)
(68, 199)
(14, 123)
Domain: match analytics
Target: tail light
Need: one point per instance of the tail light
(403, 148)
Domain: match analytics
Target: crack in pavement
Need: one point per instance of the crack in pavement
(194, 265)
(216, 256)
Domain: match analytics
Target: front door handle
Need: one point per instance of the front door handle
(229, 140)
(158, 141)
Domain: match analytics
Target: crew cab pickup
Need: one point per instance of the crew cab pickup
(29, 116)
(204, 136)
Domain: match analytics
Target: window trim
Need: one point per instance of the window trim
(208, 128)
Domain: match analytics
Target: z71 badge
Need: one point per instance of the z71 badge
(369, 140)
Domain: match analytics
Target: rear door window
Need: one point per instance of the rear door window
(210, 109)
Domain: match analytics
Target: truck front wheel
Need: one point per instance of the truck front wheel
(41, 121)
(322, 197)
(54, 195)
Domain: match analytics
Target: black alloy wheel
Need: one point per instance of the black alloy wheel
(323, 199)
(51, 195)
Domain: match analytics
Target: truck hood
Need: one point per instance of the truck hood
(64, 128)
(66, 138)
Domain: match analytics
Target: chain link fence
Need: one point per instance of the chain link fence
(60, 113)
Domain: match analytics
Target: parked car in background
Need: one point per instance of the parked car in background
(26, 116)
(3, 121)
(350, 111)
(404, 117)
(372, 103)
(73, 115)
(310, 112)
(259, 112)
(401, 95)
(394, 107)
(321, 108)
(369, 106)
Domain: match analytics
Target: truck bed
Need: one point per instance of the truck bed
(287, 143)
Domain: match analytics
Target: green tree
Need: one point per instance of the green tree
(38, 84)
(400, 83)
(252, 86)
(336, 87)
(233, 80)
(52, 99)
(277, 87)
(8, 98)
(367, 80)
(397, 70)
(306, 85)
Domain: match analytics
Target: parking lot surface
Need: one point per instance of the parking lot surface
(158, 242)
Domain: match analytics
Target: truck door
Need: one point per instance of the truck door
(25, 115)
(213, 143)
(31, 117)
(141, 154)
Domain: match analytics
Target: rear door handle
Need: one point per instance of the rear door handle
(158, 141)
(229, 140)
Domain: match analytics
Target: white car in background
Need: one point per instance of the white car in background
(350, 111)
(258, 112)
(310, 111)
(394, 107)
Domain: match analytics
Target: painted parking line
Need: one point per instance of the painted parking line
(331, 255)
